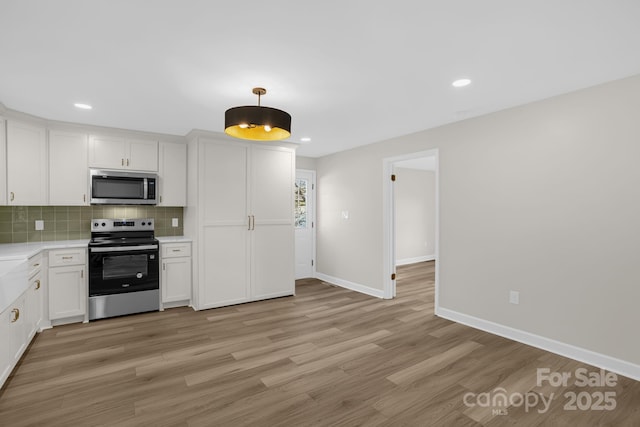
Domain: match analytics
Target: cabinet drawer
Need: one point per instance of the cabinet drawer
(35, 264)
(58, 257)
(174, 250)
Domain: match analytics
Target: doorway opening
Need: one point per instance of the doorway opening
(305, 227)
(393, 168)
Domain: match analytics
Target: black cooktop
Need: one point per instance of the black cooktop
(123, 241)
(122, 232)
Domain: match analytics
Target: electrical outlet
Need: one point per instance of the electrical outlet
(174, 222)
(39, 225)
(514, 297)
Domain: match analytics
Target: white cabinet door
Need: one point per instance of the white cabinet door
(172, 173)
(34, 304)
(272, 238)
(176, 279)
(14, 337)
(67, 292)
(3, 163)
(18, 329)
(113, 152)
(225, 266)
(26, 164)
(7, 352)
(68, 173)
(224, 260)
(223, 186)
(107, 152)
(142, 155)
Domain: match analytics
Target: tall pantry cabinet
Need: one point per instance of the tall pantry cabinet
(240, 214)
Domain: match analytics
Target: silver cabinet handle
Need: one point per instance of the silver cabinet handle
(37, 284)
(127, 162)
(13, 196)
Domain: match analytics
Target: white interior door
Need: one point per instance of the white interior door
(304, 198)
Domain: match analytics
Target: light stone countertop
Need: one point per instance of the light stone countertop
(15, 251)
(23, 251)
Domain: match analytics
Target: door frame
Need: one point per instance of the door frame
(388, 222)
(314, 221)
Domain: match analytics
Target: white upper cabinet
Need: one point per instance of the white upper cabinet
(122, 153)
(143, 155)
(68, 172)
(3, 163)
(172, 173)
(27, 164)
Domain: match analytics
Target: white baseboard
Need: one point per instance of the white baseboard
(599, 360)
(351, 285)
(407, 261)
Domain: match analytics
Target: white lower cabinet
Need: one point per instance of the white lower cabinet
(7, 353)
(16, 334)
(34, 304)
(67, 283)
(22, 319)
(176, 274)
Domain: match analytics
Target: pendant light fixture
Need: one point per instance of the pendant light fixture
(256, 122)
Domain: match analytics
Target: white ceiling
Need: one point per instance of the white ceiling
(350, 72)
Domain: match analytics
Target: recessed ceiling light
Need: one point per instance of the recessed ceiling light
(82, 106)
(305, 139)
(461, 83)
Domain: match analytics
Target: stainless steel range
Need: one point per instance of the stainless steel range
(124, 267)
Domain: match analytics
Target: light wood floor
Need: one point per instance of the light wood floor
(325, 357)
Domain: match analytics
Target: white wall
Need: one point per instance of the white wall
(414, 192)
(543, 199)
(308, 163)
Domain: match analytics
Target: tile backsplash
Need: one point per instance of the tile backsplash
(17, 223)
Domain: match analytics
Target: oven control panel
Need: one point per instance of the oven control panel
(137, 224)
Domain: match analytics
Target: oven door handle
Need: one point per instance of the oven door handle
(124, 248)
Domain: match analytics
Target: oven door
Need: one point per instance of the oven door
(116, 270)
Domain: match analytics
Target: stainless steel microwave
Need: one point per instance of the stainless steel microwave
(122, 188)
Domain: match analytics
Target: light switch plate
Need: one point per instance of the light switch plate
(39, 225)
(174, 222)
(514, 297)
(345, 214)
